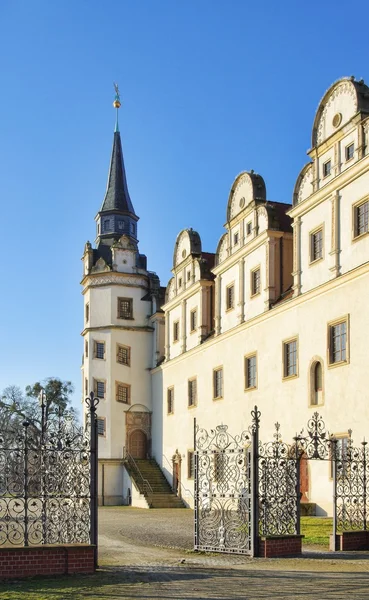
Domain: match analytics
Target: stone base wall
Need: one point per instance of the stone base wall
(46, 560)
(279, 546)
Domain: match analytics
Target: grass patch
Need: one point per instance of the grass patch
(316, 530)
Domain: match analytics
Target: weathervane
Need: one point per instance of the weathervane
(116, 104)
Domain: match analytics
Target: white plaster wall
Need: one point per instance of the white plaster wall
(141, 309)
(316, 273)
(353, 253)
(286, 401)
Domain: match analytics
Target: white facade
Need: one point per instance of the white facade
(285, 288)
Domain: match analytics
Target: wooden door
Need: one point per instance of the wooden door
(138, 444)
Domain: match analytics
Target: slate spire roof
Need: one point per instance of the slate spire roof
(117, 195)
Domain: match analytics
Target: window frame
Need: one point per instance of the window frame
(324, 166)
(252, 288)
(312, 233)
(170, 392)
(347, 157)
(249, 226)
(216, 370)
(229, 287)
(176, 330)
(247, 357)
(102, 420)
(95, 382)
(355, 234)
(123, 347)
(130, 301)
(285, 344)
(236, 238)
(127, 386)
(193, 322)
(339, 321)
(190, 382)
(101, 342)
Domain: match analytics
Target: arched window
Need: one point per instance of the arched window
(316, 383)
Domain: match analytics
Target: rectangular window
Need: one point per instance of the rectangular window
(248, 228)
(255, 282)
(192, 392)
(316, 245)
(349, 151)
(188, 275)
(100, 350)
(327, 168)
(124, 355)
(290, 358)
(99, 388)
(193, 319)
(86, 349)
(101, 426)
(122, 392)
(87, 313)
(125, 308)
(175, 331)
(361, 216)
(86, 386)
(218, 383)
(170, 400)
(338, 342)
(230, 297)
(250, 372)
(190, 464)
(180, 282)
(235, 239)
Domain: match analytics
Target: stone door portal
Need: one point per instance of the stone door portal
(138, 444)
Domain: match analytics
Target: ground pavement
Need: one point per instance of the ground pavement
(147, 554)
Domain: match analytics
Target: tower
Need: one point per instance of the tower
(121, 331)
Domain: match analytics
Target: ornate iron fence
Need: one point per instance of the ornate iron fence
(245, 489)
(48, 481)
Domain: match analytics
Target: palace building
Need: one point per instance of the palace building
(274, 317)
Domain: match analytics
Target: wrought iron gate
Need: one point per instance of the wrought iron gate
(48, 481)
(224, 474)
(245, 489)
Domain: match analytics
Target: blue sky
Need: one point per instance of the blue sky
(209, 88)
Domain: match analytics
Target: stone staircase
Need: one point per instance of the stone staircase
(151, 482)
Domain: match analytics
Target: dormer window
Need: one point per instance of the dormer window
(327, 166)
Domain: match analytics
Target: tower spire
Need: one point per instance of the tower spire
(116, 105)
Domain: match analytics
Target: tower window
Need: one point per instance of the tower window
(133, 228)
(100, 350)
(125, 308)
(170, 400)
(86, 349)
(122, 392)
(107, 225)
(121, 224)
(99, 388)
(124, 355)
(101, 426)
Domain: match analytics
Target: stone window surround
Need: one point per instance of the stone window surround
(96, 342)
(170, 400)
(356, 236)
(248, 387)
(127, 387)
(215, 383)
(330, 325)
(285, 344)
(254, 293)
(193, 320)
(96, 381)
(125, 314)
(128, 348)
(192, 392)
(230, 296)
(313, 232)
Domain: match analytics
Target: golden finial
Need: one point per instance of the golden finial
(116, 102)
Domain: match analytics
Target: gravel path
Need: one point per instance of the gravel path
(151, 550)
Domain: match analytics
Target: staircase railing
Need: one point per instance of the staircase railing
(143, 483)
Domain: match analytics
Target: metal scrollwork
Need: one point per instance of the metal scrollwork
(222, 506)
(278, 487)
(45, 482)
